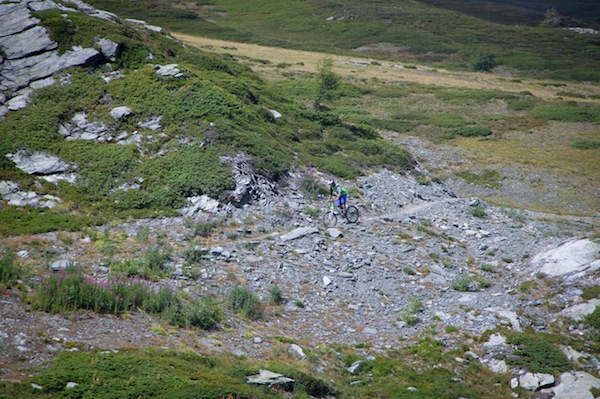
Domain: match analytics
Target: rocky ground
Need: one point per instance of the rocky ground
(352, 284)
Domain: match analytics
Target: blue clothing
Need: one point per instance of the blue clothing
(341, 200)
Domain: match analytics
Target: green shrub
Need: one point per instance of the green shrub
(204, 229)
(537, 353)
(312, 186)
(478, 211)
(205, 314)
(485, 63)
(462, 283)
(593, 319)
(591, 292)
(245, 303)
(568, 113)
(408, 270)
(468, 131)
(486, 267)
(584, 144)
(276, 295)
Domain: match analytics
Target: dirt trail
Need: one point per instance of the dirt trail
(297, 61)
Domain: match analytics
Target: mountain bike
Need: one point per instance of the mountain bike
(331, 216)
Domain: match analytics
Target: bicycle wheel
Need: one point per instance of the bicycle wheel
(329, 219)
(352, 214)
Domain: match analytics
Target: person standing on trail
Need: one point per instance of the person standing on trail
(338, 192)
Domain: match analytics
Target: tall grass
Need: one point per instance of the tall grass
(9, 271)
(71, 290)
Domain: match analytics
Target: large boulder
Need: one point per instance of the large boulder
(572, 260)
(576, 385)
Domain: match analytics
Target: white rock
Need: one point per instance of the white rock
(495, 340)
(576, 385)
(120, 112)
(535, 381)
(296, 350)
(498, 366)
(326, 281)
(71, 385)
(298, 233)
(578, 256)
(579, 311)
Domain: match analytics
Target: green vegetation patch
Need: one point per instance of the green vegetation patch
(148, 373)
(538, 353)
(488, 178)
(568, 113)
(586, 144)
(468, 131)
(15, 221)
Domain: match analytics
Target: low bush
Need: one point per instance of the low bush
(538, 353)
(478, 211)
(462, 283)
(205, 314)
(276, 295)
(585, 144)
(568, 113)
(9, 271)
(245, 303)
(468, 131)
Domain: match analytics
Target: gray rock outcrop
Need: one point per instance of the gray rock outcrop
(29, 55)
(571, 260)
(39, 163)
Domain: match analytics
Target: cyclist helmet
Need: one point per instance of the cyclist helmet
(332, 182)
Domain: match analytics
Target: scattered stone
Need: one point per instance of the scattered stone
(170, 70)
(536, 381)
(275, 114)
(297, 351)
(355, 367)
(266, 377)
(334, 233)
(298, 233)
(71, 385)
(120, 112)
(60, 265)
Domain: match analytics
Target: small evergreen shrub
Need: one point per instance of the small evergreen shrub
(485, 63)
(463, 283)
(478, 211)
(537, 353)
(276, 295)
(245, 303)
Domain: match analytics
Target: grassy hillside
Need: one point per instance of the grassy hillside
(457, 34)
(218, 108)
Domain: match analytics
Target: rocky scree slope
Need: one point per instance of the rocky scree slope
(470, 267)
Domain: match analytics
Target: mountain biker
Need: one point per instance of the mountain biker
(340, 193)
